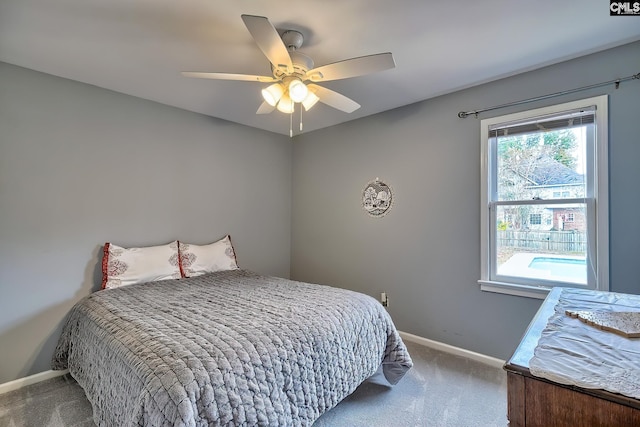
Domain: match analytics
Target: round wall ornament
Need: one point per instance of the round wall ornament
(377, 198)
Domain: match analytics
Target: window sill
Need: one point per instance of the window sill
(538, 292)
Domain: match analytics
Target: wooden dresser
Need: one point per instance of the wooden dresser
(536, 402)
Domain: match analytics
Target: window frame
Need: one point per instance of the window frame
(598, 227)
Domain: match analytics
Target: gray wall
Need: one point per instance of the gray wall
(80, 166)
(426, 252)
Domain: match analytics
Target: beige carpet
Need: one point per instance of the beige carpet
(440, 390)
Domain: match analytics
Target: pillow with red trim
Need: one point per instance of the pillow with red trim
(196, 260)
(126, 266)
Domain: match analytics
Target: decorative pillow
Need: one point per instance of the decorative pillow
(122, 266)
(196, 260)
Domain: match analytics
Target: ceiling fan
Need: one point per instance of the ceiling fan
(294, 76)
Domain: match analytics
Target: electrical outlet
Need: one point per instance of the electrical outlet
(384, 299)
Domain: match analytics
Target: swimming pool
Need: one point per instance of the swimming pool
(564, 267)
(561, 268)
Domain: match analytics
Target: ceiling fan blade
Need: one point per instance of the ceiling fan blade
(227, 76)
(352, 67)
(334, 99)
(268, 40)
(265, 108)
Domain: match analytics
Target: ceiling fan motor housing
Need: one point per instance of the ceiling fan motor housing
(301, 63)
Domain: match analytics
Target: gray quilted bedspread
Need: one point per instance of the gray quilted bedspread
(225, 349)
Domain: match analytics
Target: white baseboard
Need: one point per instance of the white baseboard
(488, 360)
(31, 379)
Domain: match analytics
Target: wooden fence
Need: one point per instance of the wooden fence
(548, 241)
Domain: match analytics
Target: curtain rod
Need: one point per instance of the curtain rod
(465, 114)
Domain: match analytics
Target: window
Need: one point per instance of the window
(535, 219)
(546, 163)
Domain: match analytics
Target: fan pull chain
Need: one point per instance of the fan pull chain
(291, 125)
(301, 118)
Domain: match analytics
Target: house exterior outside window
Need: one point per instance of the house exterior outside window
(544, 211)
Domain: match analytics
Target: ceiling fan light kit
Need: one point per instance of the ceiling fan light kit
(285, 105)
(291, 70)
(297, 90)
(273, 93)
(310, 100)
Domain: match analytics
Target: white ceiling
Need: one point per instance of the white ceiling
(139, 47)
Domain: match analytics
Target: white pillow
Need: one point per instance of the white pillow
(197, 260)
(126, 266)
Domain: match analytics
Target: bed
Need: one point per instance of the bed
(227, 348)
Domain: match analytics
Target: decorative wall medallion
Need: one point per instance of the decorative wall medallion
(377, 198)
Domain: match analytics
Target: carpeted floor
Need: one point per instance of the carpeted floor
(441, 390)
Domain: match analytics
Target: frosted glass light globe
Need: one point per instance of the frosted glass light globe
(298, 91)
